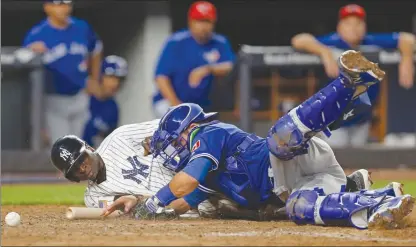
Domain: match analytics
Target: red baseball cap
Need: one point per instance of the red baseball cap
(202, 10)
(352, 9)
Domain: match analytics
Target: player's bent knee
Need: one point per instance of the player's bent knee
(285, 139)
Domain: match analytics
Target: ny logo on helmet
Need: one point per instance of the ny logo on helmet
(65, 154)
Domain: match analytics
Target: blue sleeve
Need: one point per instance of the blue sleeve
(383, 40)
(89, 132)
(199, 168)
(209, 145)
(94, 43)
(164, 65)
(30, 37)
(114, 123)
(332, 39)
(195, 197)
(226, 53)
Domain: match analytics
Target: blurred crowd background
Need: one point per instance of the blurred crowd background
(110, 63)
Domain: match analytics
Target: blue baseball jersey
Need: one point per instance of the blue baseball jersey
(181, 54)
(66, 58)
(104, 113)
(242, 176)
(104, 119)
(363, 113)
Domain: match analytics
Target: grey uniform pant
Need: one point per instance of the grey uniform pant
(66, 115)
(316, 169)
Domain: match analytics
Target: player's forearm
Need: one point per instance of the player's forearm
(165, 86)
(221, 69)
(182, 184)
(406, 45)
(95, 64)
(308, 43)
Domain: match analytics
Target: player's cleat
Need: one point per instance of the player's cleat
(190, 214)
(360, 71)
(362, 179)
(390, 214)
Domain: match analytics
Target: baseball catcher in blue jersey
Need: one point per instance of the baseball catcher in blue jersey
(290, 166)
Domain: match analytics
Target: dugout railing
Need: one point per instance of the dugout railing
(283, 57)
(21, 70)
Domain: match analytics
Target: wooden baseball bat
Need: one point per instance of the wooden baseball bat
(73, 213)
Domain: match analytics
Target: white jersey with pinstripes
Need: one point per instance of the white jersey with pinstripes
(128, 171)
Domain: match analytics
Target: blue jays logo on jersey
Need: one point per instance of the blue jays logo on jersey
(196, 146)
(212, 56)
(61, 50)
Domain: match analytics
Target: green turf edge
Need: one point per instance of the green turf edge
(73, 194)
(43, 194)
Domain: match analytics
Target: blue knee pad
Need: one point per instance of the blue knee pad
(338, 209)
(285, 140)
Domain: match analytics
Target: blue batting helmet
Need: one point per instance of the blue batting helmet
(114, 66)
(167, 141)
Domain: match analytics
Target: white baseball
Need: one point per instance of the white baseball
(12, 219)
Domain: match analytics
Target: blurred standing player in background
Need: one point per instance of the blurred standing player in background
(189, 61)
(104, 110)
(72, 57)
(351, 33)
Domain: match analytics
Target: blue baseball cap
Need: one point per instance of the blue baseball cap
(58, 1)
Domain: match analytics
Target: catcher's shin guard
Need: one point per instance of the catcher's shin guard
(338, 209)
(329, 104)
(289, 136)
(323, 108)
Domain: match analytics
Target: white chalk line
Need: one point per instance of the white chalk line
(276, 232)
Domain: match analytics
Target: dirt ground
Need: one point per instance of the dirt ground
(47, 226)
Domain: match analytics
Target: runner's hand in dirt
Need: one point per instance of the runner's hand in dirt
(125, 202)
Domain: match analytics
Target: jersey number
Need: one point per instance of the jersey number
(138, 168)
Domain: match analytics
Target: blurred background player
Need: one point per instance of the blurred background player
(190, 60)
(351, 33)
(72, 57)
(104, 110)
